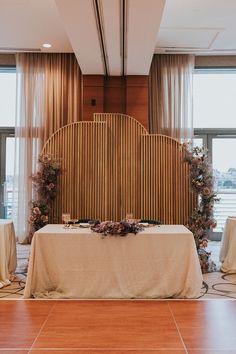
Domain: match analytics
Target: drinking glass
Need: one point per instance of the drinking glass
(65, 218)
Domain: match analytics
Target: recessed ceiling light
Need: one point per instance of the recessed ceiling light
(47, 45)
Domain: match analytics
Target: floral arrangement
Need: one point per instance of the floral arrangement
(116, 228)
(45, 182)
(202, 182)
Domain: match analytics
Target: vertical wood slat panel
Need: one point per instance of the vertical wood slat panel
(112, 167)
(124, 164)
(81, 147)
(166, 191)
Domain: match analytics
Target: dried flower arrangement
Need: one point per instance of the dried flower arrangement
(116, 228)
(202, 183)
(45, 183)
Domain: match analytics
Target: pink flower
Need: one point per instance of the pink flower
(31, 219)
(45, 158)
(44, 218)
(36, 211)
(51, 186)
(206, 191)
(212, 223)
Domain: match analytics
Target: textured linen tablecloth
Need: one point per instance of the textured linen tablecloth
(7, 251)
(159, 262)
(228, 246)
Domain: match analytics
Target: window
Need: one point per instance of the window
(214, 99)
(7, 140)
(214, 116)
(7, 97)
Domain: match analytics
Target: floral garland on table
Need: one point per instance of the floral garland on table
(202, 183)
(45, 183)
(116, 228)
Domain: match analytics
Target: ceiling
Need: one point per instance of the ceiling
(198, 26)
(118, 37)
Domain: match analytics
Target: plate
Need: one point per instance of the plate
(144, 224)
(84, 224)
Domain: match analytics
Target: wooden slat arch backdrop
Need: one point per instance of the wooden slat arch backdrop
(82, 149)
(165, 187)
(112, 167)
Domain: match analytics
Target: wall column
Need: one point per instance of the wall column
(116, 94)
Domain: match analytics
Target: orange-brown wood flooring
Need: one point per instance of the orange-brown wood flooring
(116, 327)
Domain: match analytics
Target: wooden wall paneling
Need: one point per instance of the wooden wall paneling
(137, 98)
(7, 60)
(93, 89)
(214, 61)
(114, 94)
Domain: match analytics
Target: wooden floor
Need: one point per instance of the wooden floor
(116, 327)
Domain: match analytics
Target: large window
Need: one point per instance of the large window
(214, 113)
(7, 140)
(214, 103)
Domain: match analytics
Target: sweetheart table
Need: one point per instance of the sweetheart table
(158, 262)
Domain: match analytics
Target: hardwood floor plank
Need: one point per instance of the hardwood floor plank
(97, 351)
(111, 324)
(21, 322)
(20, 351)
(205, 351)
(127, 327)
(206, 325)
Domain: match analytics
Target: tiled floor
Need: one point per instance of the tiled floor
(129, 327)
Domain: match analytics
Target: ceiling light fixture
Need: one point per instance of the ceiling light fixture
(47, 45)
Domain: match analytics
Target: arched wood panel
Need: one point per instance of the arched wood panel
(112, 167)
(82, 148)
(166, 193)
(123, 172)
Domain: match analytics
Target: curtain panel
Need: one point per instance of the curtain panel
(48, 97)
(170, 96)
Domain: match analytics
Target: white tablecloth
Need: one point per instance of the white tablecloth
(158, 262)
(7, 251)
(228, 246)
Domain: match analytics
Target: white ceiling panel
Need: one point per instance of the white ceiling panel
(80, 24)
(144, 19)
(199, 13)
(27, 24)
(186, 38)
(225, 41)
(206, 24)
(111, 22)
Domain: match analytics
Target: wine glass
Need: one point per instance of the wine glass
(129, 217)
(66, 218)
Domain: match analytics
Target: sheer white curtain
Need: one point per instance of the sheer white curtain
(170, 96)
(28, 139)
(48, 97)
